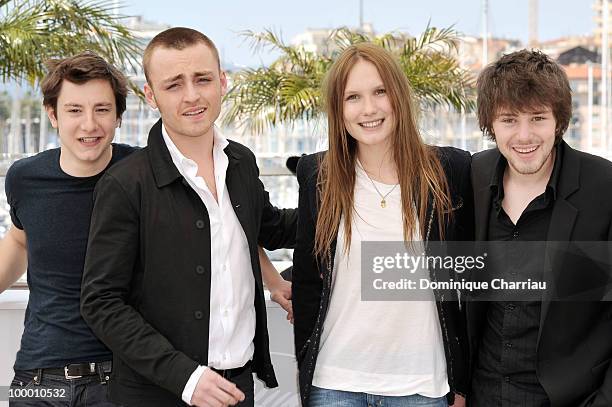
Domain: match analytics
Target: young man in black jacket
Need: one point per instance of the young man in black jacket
(172, 283)
(553, 350)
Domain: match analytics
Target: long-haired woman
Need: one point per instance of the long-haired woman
(377, 182)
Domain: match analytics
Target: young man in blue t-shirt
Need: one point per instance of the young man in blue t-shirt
(51, 198)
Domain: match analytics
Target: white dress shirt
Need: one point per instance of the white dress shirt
(232, 285)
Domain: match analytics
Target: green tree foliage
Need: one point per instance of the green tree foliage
(289, 89)
(32, 31)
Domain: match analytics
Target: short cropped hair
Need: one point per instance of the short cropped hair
(80, 69)
(177, 38)
(524, 81)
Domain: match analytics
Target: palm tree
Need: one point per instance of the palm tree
(32, 31)
(5, 101)
(289, 89)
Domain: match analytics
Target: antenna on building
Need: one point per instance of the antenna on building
(485, 33)
(605, 69)
(533, 23)
(590, 105)
(605, 60)
(361, 15)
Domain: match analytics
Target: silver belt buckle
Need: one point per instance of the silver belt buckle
(67, 376)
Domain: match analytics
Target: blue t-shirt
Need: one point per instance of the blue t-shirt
(54, 210)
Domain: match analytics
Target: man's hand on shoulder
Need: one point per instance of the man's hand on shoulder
(213, 390)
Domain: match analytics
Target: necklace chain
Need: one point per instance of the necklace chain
(383, 198)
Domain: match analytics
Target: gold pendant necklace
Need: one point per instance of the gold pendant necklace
(383, 198)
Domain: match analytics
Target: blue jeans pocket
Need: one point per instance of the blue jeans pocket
(22, 379)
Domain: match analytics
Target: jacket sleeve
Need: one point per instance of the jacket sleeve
(306, 280)
(106, 293)
(465, 214)
(457, 164)
(464, 226)
(278, 226)
(603, 396)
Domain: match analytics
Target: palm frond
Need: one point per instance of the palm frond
(33, 31)
(253, 99)
(433, 40)
(289, 89)
(343, 37)
(391, 41)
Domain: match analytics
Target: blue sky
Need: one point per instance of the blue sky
(222, 20)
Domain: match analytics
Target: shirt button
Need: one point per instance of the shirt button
(200, 269)
(515, 234)
(508, 345)
(510, 307)
(198, 314)
(507, 379)
(199, 224)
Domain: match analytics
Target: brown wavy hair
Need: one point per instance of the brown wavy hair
(419, 170)
(523, 81)
(80, 69)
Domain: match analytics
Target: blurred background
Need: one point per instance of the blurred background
(276, 54)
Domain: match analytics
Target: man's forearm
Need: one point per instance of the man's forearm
(280, 290)
(269, 273)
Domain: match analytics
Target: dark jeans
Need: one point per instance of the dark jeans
(244, 382)
(57, 391)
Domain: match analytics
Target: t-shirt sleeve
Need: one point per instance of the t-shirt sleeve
(11, 190)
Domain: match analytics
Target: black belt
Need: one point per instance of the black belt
(78, 370)
(230, 373)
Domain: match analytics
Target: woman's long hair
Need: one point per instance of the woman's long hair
(420, 173)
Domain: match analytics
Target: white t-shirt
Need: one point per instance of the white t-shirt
(389, 348)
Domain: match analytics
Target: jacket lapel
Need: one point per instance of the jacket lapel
(484, 166)
(482, 206)
(164, 170)
(235, 187)
(561, 226)
(238, 194)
